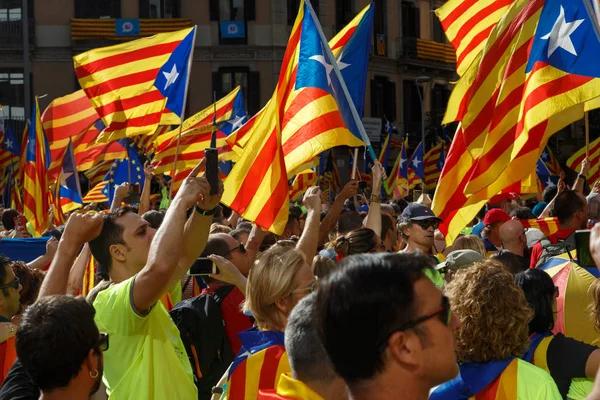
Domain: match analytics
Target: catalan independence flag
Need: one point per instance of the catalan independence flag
(96, 194)
(10, 149)
(35, 184)
(468, 24)
(574, 162)
(312, 121)
(138, 85)
(65, 120)
(89, 153)
(301, 183)
(197, 132)
(551, 162)
(431, 161)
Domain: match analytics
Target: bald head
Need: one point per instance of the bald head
(511, 232)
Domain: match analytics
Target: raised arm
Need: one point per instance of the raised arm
(309, 240)
(120, 193)
(583, 171)
(80, 229)
(255, 239)
(145, 197)
(561, 187)
(42, 261)
(328, 223)
(374, 215)
(77, 272)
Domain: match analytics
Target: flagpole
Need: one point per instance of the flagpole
(181, 117)
(338, 74)
(587, 135)
(355, 166)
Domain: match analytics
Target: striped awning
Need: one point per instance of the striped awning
(430, 50)
(85, 29)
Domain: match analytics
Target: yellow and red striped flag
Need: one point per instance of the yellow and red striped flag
(432, 170)
(97, 173)
(89, 153)
(301, 183)
(67, 117)
(311, 121)
(16, 201)
(89, 276)
(196, 135)
(9, 150)
(574, 162)
(35, 184)
(138, 85)
(548, 226)
(146, 143)
(54, 199)
(95, 195)
(468, 24)
(513, 97)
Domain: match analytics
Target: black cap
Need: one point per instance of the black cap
(417, 212)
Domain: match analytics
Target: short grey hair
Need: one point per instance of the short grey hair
(593, 200)
(307, 356)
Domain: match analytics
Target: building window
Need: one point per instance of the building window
(344, 12)
(379, 28)
(383, 98)
(12, 90)
(160, 9)
(438, 34)
(232, 16)
(411, 26)
(98, 9)
(294, 5)
(228, 78)
(11, 26)
(10, 10)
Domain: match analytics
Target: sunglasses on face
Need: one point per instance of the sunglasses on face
(240, 247)
(12, 284)
(425, 224)
(443, 313)
(102, 344)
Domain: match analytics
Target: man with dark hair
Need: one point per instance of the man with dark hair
(147, 357)
(523, 213)
(312, 376)
(241, 235)
(570, 207)
(222, 244)
(8, 217)
(389, 231)
(348, 222)
(60, 347)
(154, 218)
(292, 228)
(404, 344)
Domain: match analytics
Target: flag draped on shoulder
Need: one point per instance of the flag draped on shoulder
(35, 183)
(315, 115)
(138, 85)
(65, 120)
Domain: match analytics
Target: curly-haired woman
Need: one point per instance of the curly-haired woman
(494, 332)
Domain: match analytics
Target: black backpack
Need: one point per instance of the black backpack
(550, 249)
(202, 329)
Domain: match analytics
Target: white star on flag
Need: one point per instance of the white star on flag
(236, 122)
(63, 178)
(402, 161)
(560, 35)
(8, 144)
(171, 76)
(328, 67)
(416, 162)
(549, 183)
(545, 155)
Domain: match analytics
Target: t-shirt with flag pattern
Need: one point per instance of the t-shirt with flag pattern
(146, 358)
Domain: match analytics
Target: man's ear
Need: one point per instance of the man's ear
(405, 348)
(117, 251)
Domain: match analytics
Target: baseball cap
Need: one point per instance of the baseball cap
(418, 212)
(502, 197)
(495, 215)
(459, 259)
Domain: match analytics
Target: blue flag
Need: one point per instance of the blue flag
(10, 142)
(239, 117)
(544, 175)
(416, 162)
(442, 159)
(173, 75)
(70, 189)
(404, 161)
(122, 169)
(315, 68)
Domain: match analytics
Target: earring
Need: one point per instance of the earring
(94, 374)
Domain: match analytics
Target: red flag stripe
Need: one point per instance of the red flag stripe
(121, 82)
(476, 19)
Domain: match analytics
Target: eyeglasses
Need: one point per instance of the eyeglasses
(443, 313)
(309, 289)
(426, 223)
(13, 284)
(102, 344)
(241, 248)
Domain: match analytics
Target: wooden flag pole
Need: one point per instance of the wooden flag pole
(587, 135)
(185, 96)
(355, 167)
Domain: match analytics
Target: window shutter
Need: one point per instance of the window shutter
(417, 21)
(214, 10)
(217, 85)
(390, 100)
(144, 10)
(250, 10)
(253, 92)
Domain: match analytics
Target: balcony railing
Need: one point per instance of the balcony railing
(124, 29)
(11, 32)
(415, 48)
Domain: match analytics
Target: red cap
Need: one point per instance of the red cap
(495, 215)
(502, 197)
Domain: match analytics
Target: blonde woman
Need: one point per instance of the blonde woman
(470, 242)
(279, 279)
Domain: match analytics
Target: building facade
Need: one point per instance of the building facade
(239, 42)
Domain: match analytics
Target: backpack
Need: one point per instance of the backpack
(202, 329)
(550, 249)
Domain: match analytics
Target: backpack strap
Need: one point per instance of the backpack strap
(220, 293)
(545, 243)
(187, 282)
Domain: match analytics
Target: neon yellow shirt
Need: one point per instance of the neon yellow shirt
(146, 358)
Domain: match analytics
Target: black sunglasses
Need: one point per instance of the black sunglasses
(13, 284)
(426, 223)
(102, 344)
(241, 248)
(443, 313)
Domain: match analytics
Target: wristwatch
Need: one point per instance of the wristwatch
(582, 176)
(205, 213)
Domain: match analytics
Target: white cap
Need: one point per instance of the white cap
(534, 235)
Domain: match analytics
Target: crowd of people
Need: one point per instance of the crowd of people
(351, 301)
